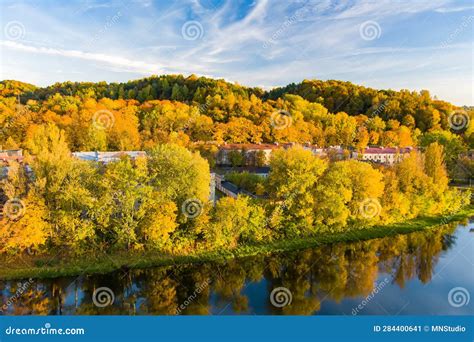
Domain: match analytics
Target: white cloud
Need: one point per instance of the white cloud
(303, 39)
(454, 9)
(117, 61)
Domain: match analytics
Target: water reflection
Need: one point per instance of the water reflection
(340, 275)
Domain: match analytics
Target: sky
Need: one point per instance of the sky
(423, 44)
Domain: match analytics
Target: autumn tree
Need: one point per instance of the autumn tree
(294, 173)
(434, 166)
(236, 220)
(343, 190)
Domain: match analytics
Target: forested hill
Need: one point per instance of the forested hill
(336, 96)
(339, 96)
(164, 87)
(15, 88)
(186, 110)
(190, 111)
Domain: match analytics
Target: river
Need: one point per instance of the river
(422, 273)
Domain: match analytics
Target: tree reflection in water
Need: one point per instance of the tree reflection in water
(335, 272)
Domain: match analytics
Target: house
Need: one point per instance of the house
(333, 153)
(336, 153)
(7, 156)
(245, 154)
(258, 155)
(382, 155)
(107, 157)
(317, 151)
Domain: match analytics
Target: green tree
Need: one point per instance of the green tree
(236, 220)
(344, 189)
(179, 174)
(62, 182)
(294, 173)
(434, 166)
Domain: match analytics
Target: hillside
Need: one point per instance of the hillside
(188, 110)
(336, 96)
(15, 88)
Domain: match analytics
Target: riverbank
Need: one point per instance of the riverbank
(49, 267)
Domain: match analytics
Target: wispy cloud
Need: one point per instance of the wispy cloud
(116, 61)
(455, 9)
(261, 42)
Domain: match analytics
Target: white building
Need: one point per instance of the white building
(7, 156)
(251, 153)
(382, 155)
(107, 157)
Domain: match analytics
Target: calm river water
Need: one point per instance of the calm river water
(421, 273)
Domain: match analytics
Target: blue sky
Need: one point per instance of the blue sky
(382, 44)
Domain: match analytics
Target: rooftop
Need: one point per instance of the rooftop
(249, 146)
(8, 155)
(386, 150)
(11, 153)
(107, 156)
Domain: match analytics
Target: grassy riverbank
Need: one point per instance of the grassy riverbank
(50, 267)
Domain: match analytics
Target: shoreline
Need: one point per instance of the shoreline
(113, 262)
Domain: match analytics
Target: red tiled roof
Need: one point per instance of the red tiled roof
(249, 147)
(9, 155)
